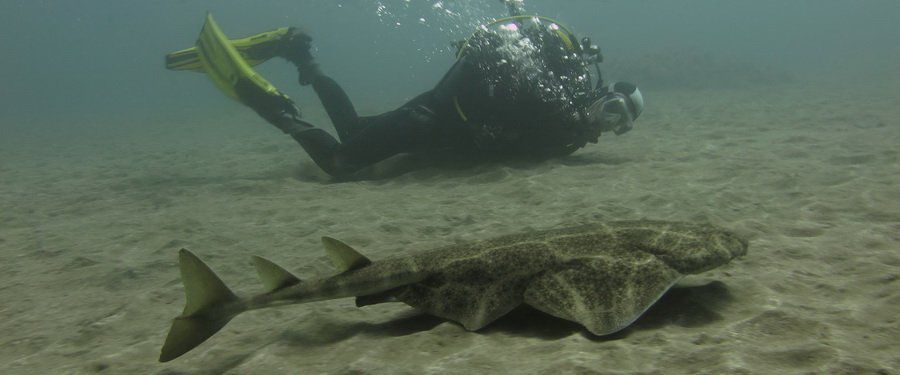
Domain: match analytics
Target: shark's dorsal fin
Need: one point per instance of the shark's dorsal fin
(344, 257)
(272, 275)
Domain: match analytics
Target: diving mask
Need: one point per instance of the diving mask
(617, 110)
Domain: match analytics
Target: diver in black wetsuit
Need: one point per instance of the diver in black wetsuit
(521, 87)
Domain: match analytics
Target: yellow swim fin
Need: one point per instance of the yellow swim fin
(234, 77)
(223, 64)
(255, 49)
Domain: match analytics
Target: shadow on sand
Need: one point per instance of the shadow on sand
(426, 166)
(683, 306)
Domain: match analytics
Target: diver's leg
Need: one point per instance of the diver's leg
(318, 144)
(338, 106)
(296, 49)
(400, 131)
(363, 141)
(396, 132)
(334, 158)
(413, 128)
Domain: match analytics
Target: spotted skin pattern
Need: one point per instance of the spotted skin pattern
(603, 276)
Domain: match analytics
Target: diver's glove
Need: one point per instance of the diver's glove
(617, 109)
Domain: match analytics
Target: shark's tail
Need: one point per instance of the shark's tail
(206, 311)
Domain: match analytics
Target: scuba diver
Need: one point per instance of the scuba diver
(521, 86)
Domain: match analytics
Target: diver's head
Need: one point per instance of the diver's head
(617, 109)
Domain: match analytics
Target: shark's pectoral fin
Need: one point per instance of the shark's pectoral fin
(466, 294)
(603, 294)
(473, 308)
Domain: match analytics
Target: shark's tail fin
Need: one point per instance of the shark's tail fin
(205, 311)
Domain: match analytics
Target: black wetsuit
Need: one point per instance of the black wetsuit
(420, 125)
(478, 107)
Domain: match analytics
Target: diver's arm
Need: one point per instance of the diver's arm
(515, 7)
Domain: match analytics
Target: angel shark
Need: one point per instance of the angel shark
(602, 276)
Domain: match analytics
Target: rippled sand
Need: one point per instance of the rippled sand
(90, 227)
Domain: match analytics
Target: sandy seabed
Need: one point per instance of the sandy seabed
(90, 227)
